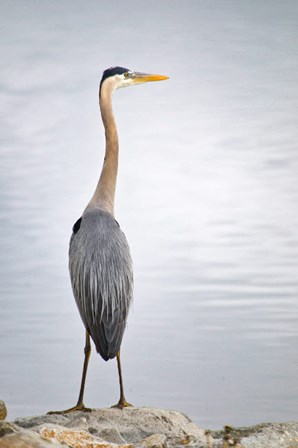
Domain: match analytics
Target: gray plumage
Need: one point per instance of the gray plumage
(102, 280)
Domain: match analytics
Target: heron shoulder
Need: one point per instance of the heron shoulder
(98, 231)
(95, 218)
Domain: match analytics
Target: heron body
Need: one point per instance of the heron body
(102, 279)
(99, 257)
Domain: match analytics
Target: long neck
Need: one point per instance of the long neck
(104, 194)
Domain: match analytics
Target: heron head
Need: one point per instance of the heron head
(123, 77)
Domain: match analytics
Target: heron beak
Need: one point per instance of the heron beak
(146, 77)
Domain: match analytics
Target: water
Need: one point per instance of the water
(207, 196)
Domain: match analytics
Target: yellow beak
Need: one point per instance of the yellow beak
(146, 77)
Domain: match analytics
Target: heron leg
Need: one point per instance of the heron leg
(122, 403)
(80, 404)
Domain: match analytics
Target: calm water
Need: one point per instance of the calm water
(207, 196)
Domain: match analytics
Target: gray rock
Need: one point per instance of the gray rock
(155, 441)
(272, 435)
(7, 428)
(137, 428)
(127, 426)
(12, 436)
(266, 435)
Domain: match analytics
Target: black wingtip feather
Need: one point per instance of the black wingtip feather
(76, 226)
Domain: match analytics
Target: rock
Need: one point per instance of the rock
(3, 410)
(137, 428)
(7, 428)
(12, 436)
(273, 435)
(121, 427)
(267, 435)
(75, 438)
(155, 441)
(27, 440)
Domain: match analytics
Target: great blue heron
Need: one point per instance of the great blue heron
(99, 257)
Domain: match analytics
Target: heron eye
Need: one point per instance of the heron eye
(126, 75)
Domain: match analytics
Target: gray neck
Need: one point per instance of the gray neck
(104, 194)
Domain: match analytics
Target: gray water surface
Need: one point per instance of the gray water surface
(207, 196)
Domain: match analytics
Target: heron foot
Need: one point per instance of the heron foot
(122, 403)
(78, 407)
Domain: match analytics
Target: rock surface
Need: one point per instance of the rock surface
(271, 435)
(127, 426)
(104, 428)
(137, 428)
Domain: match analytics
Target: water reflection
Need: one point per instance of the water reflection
(207, 197)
